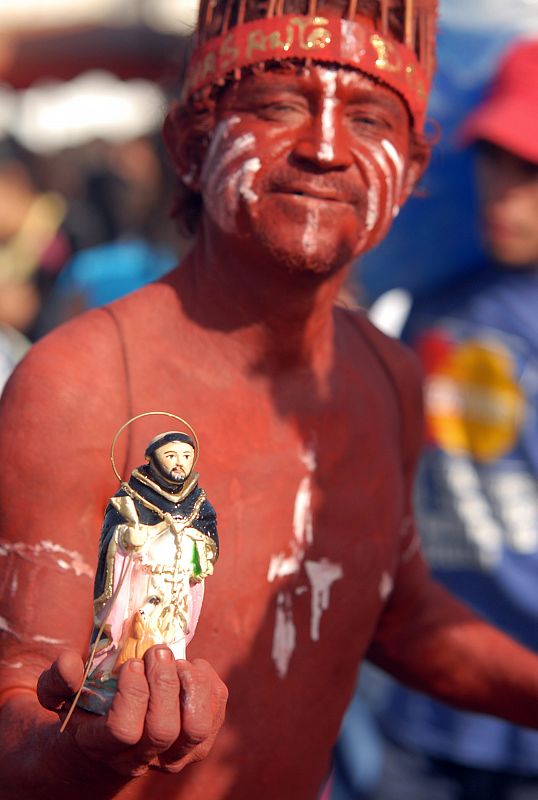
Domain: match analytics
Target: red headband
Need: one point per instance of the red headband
(350, 43)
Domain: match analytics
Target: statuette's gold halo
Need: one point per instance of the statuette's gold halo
(152, 414)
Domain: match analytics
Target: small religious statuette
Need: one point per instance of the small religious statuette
(158, 544)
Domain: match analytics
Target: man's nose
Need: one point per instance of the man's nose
(323, 142)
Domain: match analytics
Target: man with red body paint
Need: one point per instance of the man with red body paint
(310, 427)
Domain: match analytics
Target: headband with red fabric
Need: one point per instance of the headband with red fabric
(392, 41)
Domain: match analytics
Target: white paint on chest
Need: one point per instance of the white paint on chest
(321, 574)
(284, 635)
(302, 513)
(386, 585)
(47, 639)
(62, 558)
(288, 564)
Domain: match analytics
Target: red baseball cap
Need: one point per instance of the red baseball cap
(508, 117)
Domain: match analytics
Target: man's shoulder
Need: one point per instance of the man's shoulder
(393, 355)
(70, 353)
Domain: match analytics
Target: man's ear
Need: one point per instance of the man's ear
(419, 158)
(186, 147)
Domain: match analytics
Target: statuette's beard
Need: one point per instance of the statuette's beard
(176, 475)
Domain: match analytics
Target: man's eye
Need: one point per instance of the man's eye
(281, 108)
(369, 119)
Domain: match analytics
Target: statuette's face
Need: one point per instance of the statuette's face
(174, 461)
(311, 164)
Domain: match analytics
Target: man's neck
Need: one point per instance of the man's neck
(275, 318)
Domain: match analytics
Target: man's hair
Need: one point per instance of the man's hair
(188, 126)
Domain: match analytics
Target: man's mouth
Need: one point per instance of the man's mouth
(326, 194)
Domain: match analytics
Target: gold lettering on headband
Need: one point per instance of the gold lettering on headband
(297, 34)
(208, 66)
(228, 53)
(387, 55)
(275, 40)
(255, 41)
(318, 38)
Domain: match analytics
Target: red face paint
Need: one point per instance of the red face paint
(310, 164)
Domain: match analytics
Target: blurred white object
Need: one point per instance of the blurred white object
(96, 105)
(390, 311)
(483, 15)
(165, 15)
(13, 346)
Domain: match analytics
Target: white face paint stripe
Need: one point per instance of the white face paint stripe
(397, 160)
(326, 150)
(374, 190)
(238, 147)
(222, 131)
(221, 190)
(384, 166)
(248, 172)
(309, 240)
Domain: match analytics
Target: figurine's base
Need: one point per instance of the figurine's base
(98, 699)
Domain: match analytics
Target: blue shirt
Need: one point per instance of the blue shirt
(476, 498)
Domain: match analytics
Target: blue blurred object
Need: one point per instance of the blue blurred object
(435, 238)
(104, 273)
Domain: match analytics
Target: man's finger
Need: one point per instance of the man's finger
(110, 739)
(162, 723)
(203, 703)
(61, 681)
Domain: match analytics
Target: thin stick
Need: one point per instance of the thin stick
(242, 12)
(384, 17)
(209, 13)
(312, 8)
(202, 14)
(409, 35)
(423, 46)
(89, 662)
(227, 15)
(352, 9)
(271, 8)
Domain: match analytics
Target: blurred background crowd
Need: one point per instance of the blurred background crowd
(85, 202)
(85, 192)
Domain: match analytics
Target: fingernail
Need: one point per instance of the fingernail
(164, 654)
(137, 666)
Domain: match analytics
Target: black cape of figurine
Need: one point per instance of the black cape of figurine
(156, 492)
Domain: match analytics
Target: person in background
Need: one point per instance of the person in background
(476, 498)
(31, 251)
(139, 244)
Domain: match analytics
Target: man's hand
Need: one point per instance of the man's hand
(166, 713)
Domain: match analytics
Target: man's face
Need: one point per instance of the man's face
(508, 190)
(311, 164)
(174, 461)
